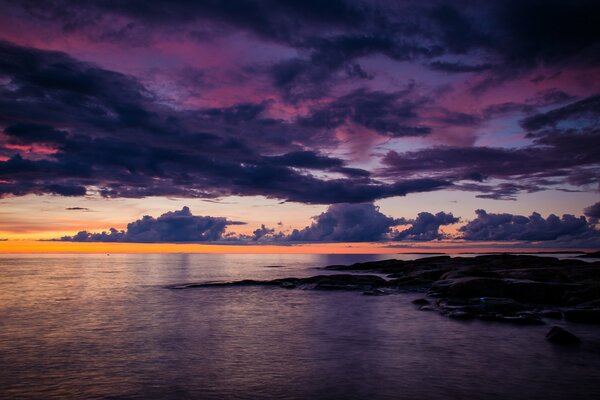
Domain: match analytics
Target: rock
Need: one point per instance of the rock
(524, 319)
(499, 304)
(588, 316)
(374, 292)
(561, 336)
(554, 314)
(520, 289)
(461, 315)
(474, 287)
(573, 301)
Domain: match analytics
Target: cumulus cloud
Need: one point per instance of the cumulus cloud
(346, 223)
(509, 227)
(426, 227)
(173, 226)
(362, 222)
(593, 211)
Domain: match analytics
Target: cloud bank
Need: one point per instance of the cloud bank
(170, 227)
(490, 91)
(362, 222)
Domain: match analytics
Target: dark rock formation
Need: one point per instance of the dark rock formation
(519, 289)
(560, 336)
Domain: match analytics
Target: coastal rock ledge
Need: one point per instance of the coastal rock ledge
(519, 289)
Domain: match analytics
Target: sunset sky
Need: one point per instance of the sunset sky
(395, 124)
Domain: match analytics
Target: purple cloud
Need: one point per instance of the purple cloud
(173, 226)
(426, 227)
(509, 227)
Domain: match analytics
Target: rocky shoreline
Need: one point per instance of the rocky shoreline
(518, 289)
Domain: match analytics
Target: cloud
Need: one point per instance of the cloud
(73, 128)
(588, 109)
(555, 158)
(173, 226)
(108, 133)
(346, 223)
(458, 67)
(361, 222)
(509, 227)
(389, 114)
(593, 211)
(426, 227)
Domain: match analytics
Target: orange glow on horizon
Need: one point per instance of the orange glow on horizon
(30, 246)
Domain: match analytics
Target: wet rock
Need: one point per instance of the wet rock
(553, 314)
(587, 316)
(375, 292)
(472, 287)
(520, 289)
(561, 336)
(463, 315)
(524, 319)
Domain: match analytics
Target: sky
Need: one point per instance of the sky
(384, 124)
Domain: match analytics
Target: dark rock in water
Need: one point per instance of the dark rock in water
(519, 289)
(561, 336)
(288, 285)
(426, 308)
(375, 292)
(472, 287)
(325, 282)
(461, 315)
(595, 254)
(524, 319)
(588, 316)
(554, 314)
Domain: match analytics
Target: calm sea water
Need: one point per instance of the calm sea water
(97, 326)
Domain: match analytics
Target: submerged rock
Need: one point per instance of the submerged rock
(561, 336)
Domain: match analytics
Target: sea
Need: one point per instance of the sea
(98, 326)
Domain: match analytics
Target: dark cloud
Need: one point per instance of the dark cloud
(361, 222)
(587, 110)
(261, 232)
(556, 157)
(593, 211)
(104, 132)
(77, 209)
(458, 67)
(346, 223)
(109, 133)
(515, 33)
(426, 227)
(26, 133)
(389, 114)
(173, 226)
(530, 35)
(507, 227)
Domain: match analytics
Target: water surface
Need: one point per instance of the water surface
(98, 326)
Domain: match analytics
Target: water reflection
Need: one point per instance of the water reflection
(83, 327)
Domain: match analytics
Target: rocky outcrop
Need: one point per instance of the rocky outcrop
(561, 336)
(519, 289)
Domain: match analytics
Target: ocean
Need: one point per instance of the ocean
(97, 326)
